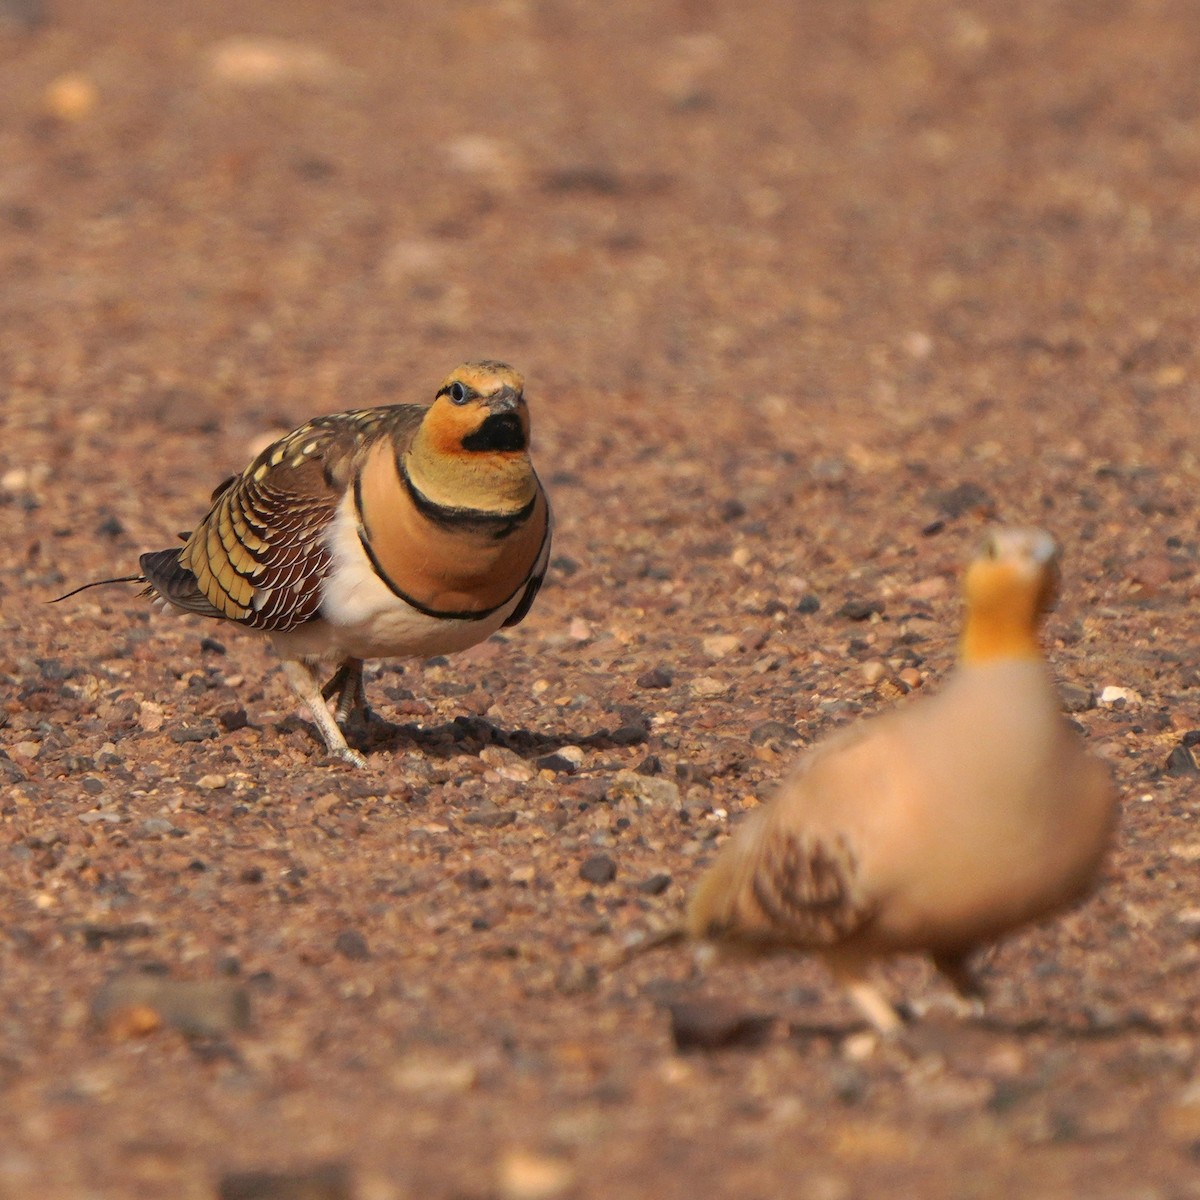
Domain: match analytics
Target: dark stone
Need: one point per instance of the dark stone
(212, 646)
(731, 510)
(233, 718)
(772, 731)
(656, 677)
(599, 869)
(568, 566)
(202, 732)
(628, 735)
(110, 527)
(1182, 761)
(702, 1025)
(1077, 698)
(96, 936)
(352, 945)
(655, 884)
(474, 880)
(808, 604)
(329, 1181)
(556, 763)
(491, 818)
(859, 610)
(962, 499)
(650, 765)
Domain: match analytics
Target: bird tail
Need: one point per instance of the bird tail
(83, 587)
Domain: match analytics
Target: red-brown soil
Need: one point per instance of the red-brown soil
(803, 294)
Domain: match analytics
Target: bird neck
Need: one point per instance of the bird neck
(998, 631)
(497, 483)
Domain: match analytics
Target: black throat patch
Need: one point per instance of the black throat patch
(500, 431)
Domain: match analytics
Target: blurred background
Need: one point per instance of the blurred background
(803, 293)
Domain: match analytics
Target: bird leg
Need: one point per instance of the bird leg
(347, 681)
(968, 990)
(867, 997)
(306, 684)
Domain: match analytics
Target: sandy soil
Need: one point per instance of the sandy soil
(803, 294)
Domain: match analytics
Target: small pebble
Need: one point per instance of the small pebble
(1182, 761)
(599, 869)
(211, 783)
(860, 610)
(1113, 695)
(329, 1181)
(523, 1175)
(557, 763)
(655, 885)
(656, 677)
(1077, 698)
(711, 1025)
(352, 945)
(720, 645)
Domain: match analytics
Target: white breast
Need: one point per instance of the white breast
(362, 617)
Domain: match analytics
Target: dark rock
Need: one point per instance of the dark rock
(772, 731)
(473, 879)
(210, 645)
(962, 499)
(556, 763)
(1182, 761)
(110, 527)
(202, 731)
(490, 818)
(808, 604)
(1192, 738)
(352, 945)
(650, 765)
(705, 1025)
(329, 1181)
(628, 735)
(233, 718)
(599, 869)
(1077, 698)
(656, 677)
(731, 510)
(655, 885)
(95, 936)
(859, 610)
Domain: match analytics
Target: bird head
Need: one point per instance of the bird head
(1009, 585)
(472, 448)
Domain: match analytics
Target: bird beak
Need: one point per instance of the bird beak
(506, 400)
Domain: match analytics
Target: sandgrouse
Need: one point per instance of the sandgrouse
(938, 827)
(393, 531)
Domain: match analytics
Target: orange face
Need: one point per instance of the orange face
(479, 410)
(1008, 586)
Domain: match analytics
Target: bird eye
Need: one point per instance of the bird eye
(458, 393)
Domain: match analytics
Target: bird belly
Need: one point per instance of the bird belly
(362, 617)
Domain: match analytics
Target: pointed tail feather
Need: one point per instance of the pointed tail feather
(83, 587)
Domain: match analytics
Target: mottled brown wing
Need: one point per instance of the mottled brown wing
(806, 885)
(259, 556)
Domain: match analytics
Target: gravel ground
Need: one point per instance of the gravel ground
(803, 295)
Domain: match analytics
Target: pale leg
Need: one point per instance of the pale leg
(867, 997)
(301, 674)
